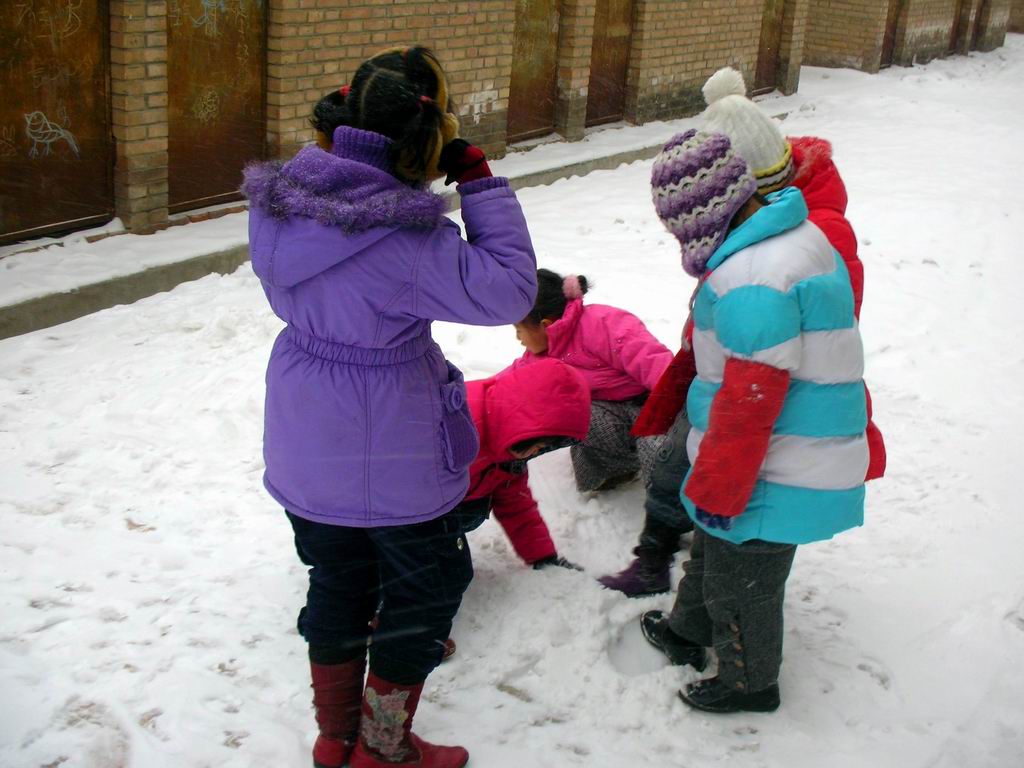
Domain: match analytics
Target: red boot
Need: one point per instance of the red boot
(449, 649)
(337, 696)
(385, 731)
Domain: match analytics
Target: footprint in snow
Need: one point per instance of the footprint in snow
(874, 668)
(1016, 618)
(631, 655)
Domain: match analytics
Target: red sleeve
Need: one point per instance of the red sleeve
(516, 510)
(736, 441)
(668, 397)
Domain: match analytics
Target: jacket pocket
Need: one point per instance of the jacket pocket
(459, 441)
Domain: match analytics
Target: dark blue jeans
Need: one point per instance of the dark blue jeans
(665, 518)
(416, 574)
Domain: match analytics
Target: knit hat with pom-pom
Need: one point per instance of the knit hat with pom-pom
(699, 184)
(754, 135)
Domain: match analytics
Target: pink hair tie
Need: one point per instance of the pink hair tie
(571, 287)
(344, 91)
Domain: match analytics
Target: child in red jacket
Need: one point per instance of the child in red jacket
(520, 414)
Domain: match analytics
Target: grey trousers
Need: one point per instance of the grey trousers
(731, 598)
(609, 452)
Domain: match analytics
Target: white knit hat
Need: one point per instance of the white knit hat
(754, 135)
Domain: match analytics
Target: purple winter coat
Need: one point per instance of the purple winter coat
(366, 423)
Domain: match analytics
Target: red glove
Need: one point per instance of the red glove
(463, 162)
(667, 398)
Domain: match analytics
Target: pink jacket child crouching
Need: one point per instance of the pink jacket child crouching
(619, 359)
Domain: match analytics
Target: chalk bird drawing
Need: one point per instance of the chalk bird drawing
(44, 134)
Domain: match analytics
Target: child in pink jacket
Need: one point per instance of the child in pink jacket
(618, 358)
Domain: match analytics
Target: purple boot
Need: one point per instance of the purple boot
(646, 575)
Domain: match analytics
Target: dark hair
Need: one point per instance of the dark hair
(551, 442)
(525, 445)
(758, 198)
(401, 94)
(551, 298)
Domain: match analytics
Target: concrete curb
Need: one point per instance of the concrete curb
(57, 308)
(54, 309)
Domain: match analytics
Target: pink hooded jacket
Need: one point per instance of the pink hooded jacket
(613, 350)
(547, 399)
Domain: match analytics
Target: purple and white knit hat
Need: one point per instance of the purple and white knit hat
(698, 184)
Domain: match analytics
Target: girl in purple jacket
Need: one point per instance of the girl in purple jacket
(621, 362)
(368, 439)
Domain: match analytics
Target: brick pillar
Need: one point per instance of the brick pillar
(138, 86)
(791, 49)
(304, 45)
(575, 41)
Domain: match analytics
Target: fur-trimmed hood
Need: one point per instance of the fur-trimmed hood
(347, 191)
(816, 175)
(348, 187)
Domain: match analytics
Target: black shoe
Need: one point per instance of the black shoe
(679, 650)
(712, 695)
(556, 560)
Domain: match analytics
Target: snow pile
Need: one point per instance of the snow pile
(149, 588)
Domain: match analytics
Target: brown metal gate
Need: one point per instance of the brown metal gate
(889, 41)
(766, 77)
(216, 94)
(980, 23)
(609, 61)
(56, 158)
(532, 93)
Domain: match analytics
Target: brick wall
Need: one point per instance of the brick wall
(846, 33)
(1016, 23)
(316, 45)
(924, 31)
(993, 21)
(575, 38)
(678, 44)
(138, 88)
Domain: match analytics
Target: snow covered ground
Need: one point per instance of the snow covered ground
(148, 586)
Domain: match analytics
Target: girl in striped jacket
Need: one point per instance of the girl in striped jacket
(778, 412)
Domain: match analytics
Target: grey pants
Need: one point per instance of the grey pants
(609, 452)
(731, 598)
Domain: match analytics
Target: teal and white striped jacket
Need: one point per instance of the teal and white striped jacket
(777, 294)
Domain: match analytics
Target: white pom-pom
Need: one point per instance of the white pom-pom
(725, 82)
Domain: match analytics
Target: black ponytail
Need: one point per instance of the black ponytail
(329, 113)
(401, 94)
(553, 295)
